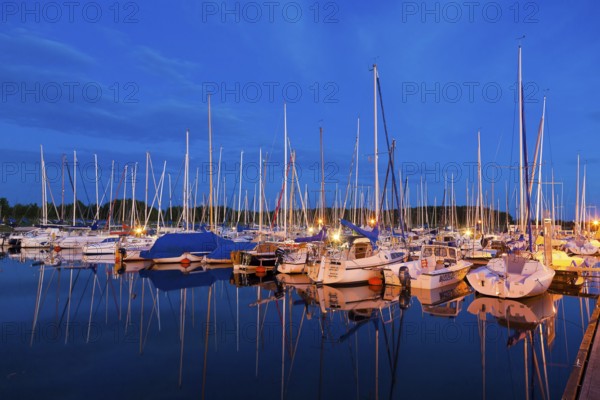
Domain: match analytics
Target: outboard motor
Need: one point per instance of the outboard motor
(121, 253)
(404, 277)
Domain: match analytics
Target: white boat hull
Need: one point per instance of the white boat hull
(427, 278)
(343, 272)
(78, 242)
(496, 280)
(100, 248)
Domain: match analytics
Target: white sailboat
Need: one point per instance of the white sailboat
(359, 259)
(511, 276)
(515, 275)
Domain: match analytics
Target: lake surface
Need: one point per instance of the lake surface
(86, 330)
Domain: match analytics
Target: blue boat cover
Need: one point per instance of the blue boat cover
(319, 237)
(371, 235)
(173, 279)
(225, 247)
(175, 244)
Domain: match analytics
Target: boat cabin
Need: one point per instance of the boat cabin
(360, 248)
(440, 255)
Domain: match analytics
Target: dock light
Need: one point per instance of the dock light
(595, 222)
(480, 221)
(372, 221)
(311, 229)
(336, 237)
(138, 230)
(468, 232)
(320, 221)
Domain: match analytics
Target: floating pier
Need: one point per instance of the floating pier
(584, 382)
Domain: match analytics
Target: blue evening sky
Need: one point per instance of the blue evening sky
(119, 79)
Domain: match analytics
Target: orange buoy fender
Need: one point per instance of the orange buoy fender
(375, 281)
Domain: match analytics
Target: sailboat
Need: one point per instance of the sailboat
(358, 259)
(515, 275)
(361, 259)
(292, 258)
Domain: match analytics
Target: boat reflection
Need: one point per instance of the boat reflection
(527, 320)
(445, 301)
(521, 315)
(359, 301)
(173, 279)
(130, 267)
(241, 278)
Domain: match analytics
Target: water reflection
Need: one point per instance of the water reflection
(445, 301)
(530, 321)
(169, 331)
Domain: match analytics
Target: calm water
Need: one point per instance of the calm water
(81, 330)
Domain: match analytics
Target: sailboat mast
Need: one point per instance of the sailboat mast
(521, 155)
(480, 193)
(186, 178)
(507, 209)
(583, 205)
(62, 196)
(162, 185)
(133, 218)
(576, 228)
(124, 194)
(375, 143)
(74, 186)
(218, 191)
(553, 208)
(193, 216)
(285, 168)
(322, 177)
(356, 177)
(170, 200)
(97, 201)
(146, 192)
(527, 211)
(110, 205)
(260, 192)
(44, 201)
(240, 186)
(292, 195)
(210, 168)
(539, 188)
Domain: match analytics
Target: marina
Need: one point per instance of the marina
(299, 200)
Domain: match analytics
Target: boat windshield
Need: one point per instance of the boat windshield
(443, 252)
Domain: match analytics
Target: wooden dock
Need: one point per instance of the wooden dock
(584, 382)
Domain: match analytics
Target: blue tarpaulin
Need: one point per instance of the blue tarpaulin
(319, 237)
(225, 247)
(175, 244)
(371, 235)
